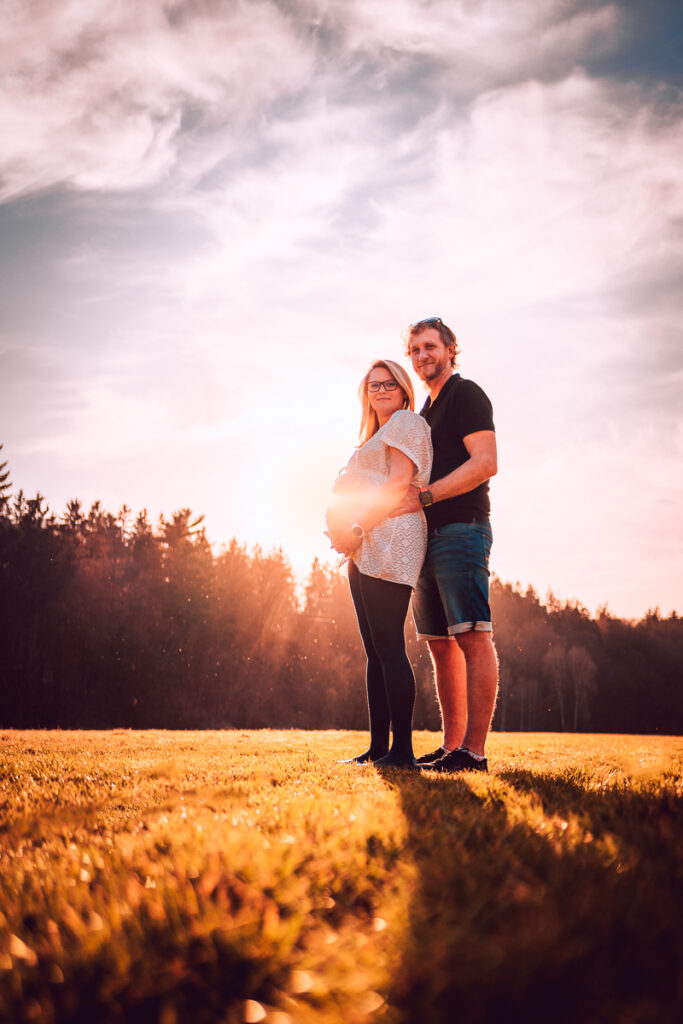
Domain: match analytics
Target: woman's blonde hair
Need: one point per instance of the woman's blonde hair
(369, 423)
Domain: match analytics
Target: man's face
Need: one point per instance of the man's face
(429, 355)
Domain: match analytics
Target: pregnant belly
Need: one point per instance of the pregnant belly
(349, 499)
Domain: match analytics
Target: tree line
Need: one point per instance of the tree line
(109, 620)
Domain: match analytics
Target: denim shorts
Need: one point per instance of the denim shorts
(452, 593)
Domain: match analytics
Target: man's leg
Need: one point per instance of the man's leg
(451, 686)
(482, 687)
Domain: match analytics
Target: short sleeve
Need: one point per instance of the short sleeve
(410, 434)
(474, 409)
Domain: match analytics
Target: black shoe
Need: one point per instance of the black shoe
(368, 757)
(435, 755)
(392, 760)
(458, 761)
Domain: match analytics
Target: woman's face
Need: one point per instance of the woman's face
(385, 400)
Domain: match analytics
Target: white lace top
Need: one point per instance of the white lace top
(395, 549)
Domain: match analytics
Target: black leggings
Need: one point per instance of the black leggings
(381, 609)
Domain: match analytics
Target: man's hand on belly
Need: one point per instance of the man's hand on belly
(411, 503)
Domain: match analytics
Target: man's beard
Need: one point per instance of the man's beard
(431, 371)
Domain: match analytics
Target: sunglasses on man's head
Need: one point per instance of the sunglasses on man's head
(377, 385)
(430, 321)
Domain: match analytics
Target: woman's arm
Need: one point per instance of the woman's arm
(384, 500)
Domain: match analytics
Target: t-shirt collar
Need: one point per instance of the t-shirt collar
(447, 385)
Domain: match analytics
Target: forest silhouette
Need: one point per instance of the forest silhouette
(109, 620)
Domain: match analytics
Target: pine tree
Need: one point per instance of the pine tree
(5, 483)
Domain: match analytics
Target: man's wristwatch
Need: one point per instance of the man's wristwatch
(426, 497)
(357, 530)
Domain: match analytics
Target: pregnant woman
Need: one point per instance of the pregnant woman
(385, 554)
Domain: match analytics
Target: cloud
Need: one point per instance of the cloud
(536, 215)
(471, 47)
(521, 193)
(97, 95)
(103, 96)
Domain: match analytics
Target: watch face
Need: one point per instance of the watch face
(426, 498)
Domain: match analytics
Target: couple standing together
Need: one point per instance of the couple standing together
(411, 512)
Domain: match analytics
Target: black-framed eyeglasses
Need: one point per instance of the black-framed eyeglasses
(430, 321)
(377, 385)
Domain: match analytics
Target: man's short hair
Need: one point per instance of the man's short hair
(437, 324)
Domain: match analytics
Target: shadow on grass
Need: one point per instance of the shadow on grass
(540, 899)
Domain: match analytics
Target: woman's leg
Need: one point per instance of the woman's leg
(378, 706)
(386, 607)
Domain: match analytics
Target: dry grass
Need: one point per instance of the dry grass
(232, 876)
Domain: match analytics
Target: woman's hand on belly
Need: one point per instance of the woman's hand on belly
(344, 540)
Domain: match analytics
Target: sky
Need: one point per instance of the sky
(214, 215)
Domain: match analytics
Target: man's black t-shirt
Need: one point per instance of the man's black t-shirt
(461, 408)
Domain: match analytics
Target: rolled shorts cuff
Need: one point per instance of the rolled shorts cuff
(461, 627)
(470, 627)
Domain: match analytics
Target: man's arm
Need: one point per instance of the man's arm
(481, 465)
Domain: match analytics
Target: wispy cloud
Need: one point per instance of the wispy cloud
(476, 46)
(109, 96)
(99, 95)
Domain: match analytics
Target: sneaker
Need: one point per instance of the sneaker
(435, 755)
(458, 761)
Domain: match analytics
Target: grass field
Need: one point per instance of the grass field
(246, 876)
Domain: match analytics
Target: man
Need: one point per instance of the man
(451, 600)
